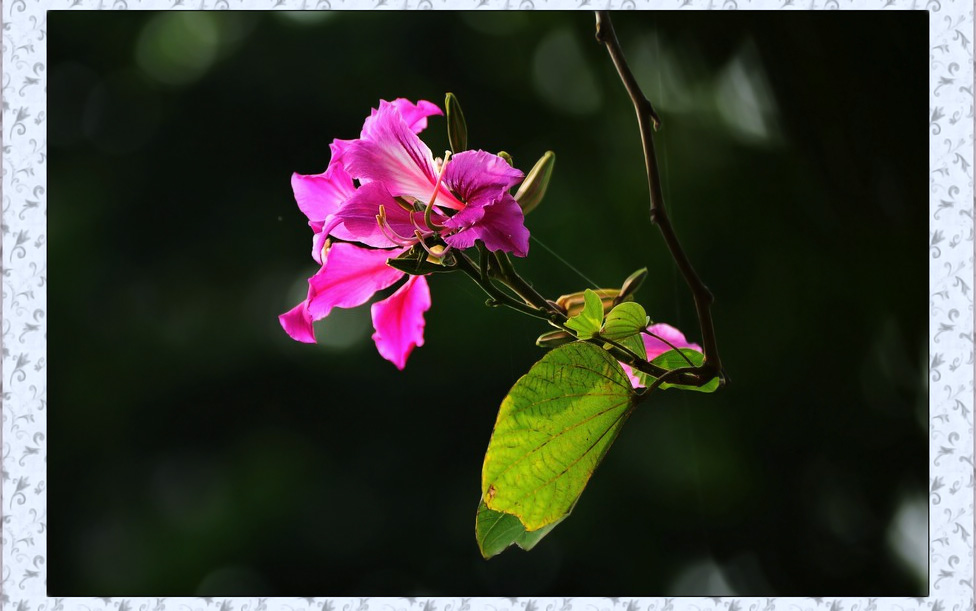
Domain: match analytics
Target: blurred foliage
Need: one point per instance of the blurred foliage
(195, 449)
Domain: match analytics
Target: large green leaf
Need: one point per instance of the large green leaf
(495, 531)
(552, 431)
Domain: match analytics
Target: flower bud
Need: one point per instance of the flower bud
(506, 157)
(534, 186)
(573, 303)
(632, 283)
(457, 129)
(554, 339)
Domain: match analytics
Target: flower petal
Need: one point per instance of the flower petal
(319, 241)
(414, 115)
(479, 177)
(656, 347)
(399, 321)
(390, 153)
(319, 195)
(297, 323)
(500, 224)
(349, 278)
(631, 375)
(358, 217)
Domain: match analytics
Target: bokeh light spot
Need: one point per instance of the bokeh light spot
(563, 77)
(178, 48)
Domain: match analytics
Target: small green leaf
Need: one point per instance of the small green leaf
(457, 128)
(495, 531)
(587, 323)
(624, 320)
(553, 429)
(672, 360)
(635, 344)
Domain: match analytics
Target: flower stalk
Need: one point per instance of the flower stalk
(648, 121)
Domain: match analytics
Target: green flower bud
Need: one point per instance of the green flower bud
(554, 339)
(457, 129)
(506, 157)
(533, 188)
(632, 283)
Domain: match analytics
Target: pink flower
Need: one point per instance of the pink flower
(655, 347)
(473, 183)
(371, 201)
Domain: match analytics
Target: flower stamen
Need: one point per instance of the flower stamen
(437, 187)
(388, 232)
(437, 252)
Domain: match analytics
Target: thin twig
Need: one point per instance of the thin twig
(648, 121)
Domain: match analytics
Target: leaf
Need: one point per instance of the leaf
(635, 343)
(624, 320)
(552, 431)
(587, 323)
(495, 531)
(672, 360)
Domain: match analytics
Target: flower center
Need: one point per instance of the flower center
(437, 188)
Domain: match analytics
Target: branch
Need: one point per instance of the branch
(648, 120)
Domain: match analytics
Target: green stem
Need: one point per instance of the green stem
(672, 346)
(523, 289)
(467, 266)
(666, 377)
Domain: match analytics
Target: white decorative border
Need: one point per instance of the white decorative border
(24, 366)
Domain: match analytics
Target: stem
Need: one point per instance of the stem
(667, 377)
(467, 266)
(647, 120)
(523, 289)
(672, 346)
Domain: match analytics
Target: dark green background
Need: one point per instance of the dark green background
(195, 449)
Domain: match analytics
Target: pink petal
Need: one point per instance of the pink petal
(399, 321)
(297, 323)
(500, 224)
(338, 149)
(349, 278)
(319, 195)
(479, 177)
(358, 217)
(632, 375)
(414, 115)
(393, 155)
(318, 243)
(656, 347)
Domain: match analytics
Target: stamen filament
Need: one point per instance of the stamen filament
(437, 187)
(420, 238)
(388, 232)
